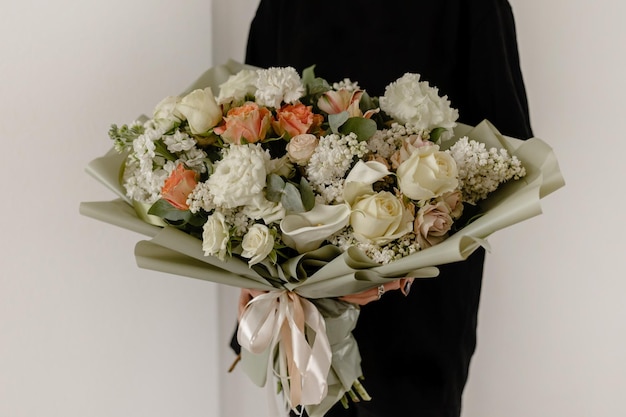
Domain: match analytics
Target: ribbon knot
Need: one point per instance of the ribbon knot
(284, 320)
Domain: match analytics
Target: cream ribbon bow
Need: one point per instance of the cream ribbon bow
(280, 318)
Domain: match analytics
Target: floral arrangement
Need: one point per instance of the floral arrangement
(275, 181)
(277, 165)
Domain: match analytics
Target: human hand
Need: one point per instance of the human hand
(374, 294)
(245, 296)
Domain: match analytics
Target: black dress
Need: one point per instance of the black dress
(416, 350)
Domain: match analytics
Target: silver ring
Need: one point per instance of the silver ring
(381, 291)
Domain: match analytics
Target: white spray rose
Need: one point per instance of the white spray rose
(238, 86)
(380, 218)
(257, 243)
(261, 208)
(278, 85)
(240, 176)
(428, 173)
(201, 110)
(165, 115)
(408, 100)
(215, 236)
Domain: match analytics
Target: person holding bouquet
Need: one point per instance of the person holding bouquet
(416, 344)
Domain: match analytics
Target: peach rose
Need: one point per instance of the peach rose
(295, 119)
(178, 186)
(409, 145)
(249, 122)
(432, 224)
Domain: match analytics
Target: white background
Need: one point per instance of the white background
(84, 332)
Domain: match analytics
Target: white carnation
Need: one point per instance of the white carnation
(239, 176)
(278, 85)
(409, 100)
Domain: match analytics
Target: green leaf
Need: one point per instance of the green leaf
(166, 211)
(435, 134)
(337, 120)
(291, 199)
(308, 197)
(314, 85)
(275, 188)
(363, 128)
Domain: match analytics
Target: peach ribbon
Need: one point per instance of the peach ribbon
(281, 318)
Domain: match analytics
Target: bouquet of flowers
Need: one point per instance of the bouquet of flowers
(278, 181)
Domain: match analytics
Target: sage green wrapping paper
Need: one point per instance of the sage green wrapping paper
(326, 272)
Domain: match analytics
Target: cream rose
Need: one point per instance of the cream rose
(380, 218)
(428, 173)
(215, 236)
(301, 147)
(257, 243)
(201, 110)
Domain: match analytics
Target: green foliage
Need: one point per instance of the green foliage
(335, 121)
(183, 219)
(363, 128)
(123, 136)
(435, 134)
(294, 198)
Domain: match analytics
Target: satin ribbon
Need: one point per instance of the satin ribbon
(283, 319)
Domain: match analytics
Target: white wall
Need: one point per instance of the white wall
(84, 332)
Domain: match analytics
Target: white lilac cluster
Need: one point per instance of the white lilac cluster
(277, 85)
(385, 142)
(482, 170)
(383, 254)
(330, 162)
(409, 100)
(145, 171)
(346, 84)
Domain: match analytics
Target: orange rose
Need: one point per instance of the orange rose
(295, 119)
(178, 186)
(249, 122)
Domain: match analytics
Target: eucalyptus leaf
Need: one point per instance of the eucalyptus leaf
(337, 120)
(308, 197)
(166, 211)
(275, 188)
(361, 127)
(291, 199)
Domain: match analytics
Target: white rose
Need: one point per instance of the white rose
(215, 236)
(165, 115)
(201, 110)
(380, 218)
(278, 85)
(262, 208)
(239, 177)
(238, 86)
(428, 173)
(301, 147)
(408, 100)
(257, 243)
